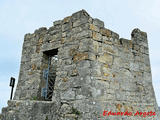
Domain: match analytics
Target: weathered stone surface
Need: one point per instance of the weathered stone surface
(90, 70)
(97, 36)
(80, 56)
(106, 58)
(94, 28)
(98, 23)
(106, 32)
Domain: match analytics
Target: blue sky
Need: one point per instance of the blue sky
(19, 17)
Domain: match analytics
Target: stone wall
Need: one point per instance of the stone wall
(96, 71)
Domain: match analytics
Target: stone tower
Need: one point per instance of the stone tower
(79, 70)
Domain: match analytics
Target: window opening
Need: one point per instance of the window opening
(49, 74)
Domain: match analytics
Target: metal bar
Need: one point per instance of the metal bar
(11, 93)
(49, 62)
(12, 82)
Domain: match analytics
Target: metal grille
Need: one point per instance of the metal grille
(49, 77)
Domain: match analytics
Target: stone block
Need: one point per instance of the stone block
(106, 33)
(106, 58)
(97, 36)
(98, 23)
(80, 22)
(80, 56)
(94, 28)
(68, 95)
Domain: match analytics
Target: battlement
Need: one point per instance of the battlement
(81, 22)
(82, 67)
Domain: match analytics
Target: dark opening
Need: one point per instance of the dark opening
(51, 52)
(49, 73)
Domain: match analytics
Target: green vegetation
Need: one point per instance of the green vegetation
(34, 98)
(46, 118)
(75, 111)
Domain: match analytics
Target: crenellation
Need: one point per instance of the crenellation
(57, 23)
(98, 23)
(80, 14)
(77, 68)
(40, 30)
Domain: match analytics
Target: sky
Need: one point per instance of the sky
(19, 17)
